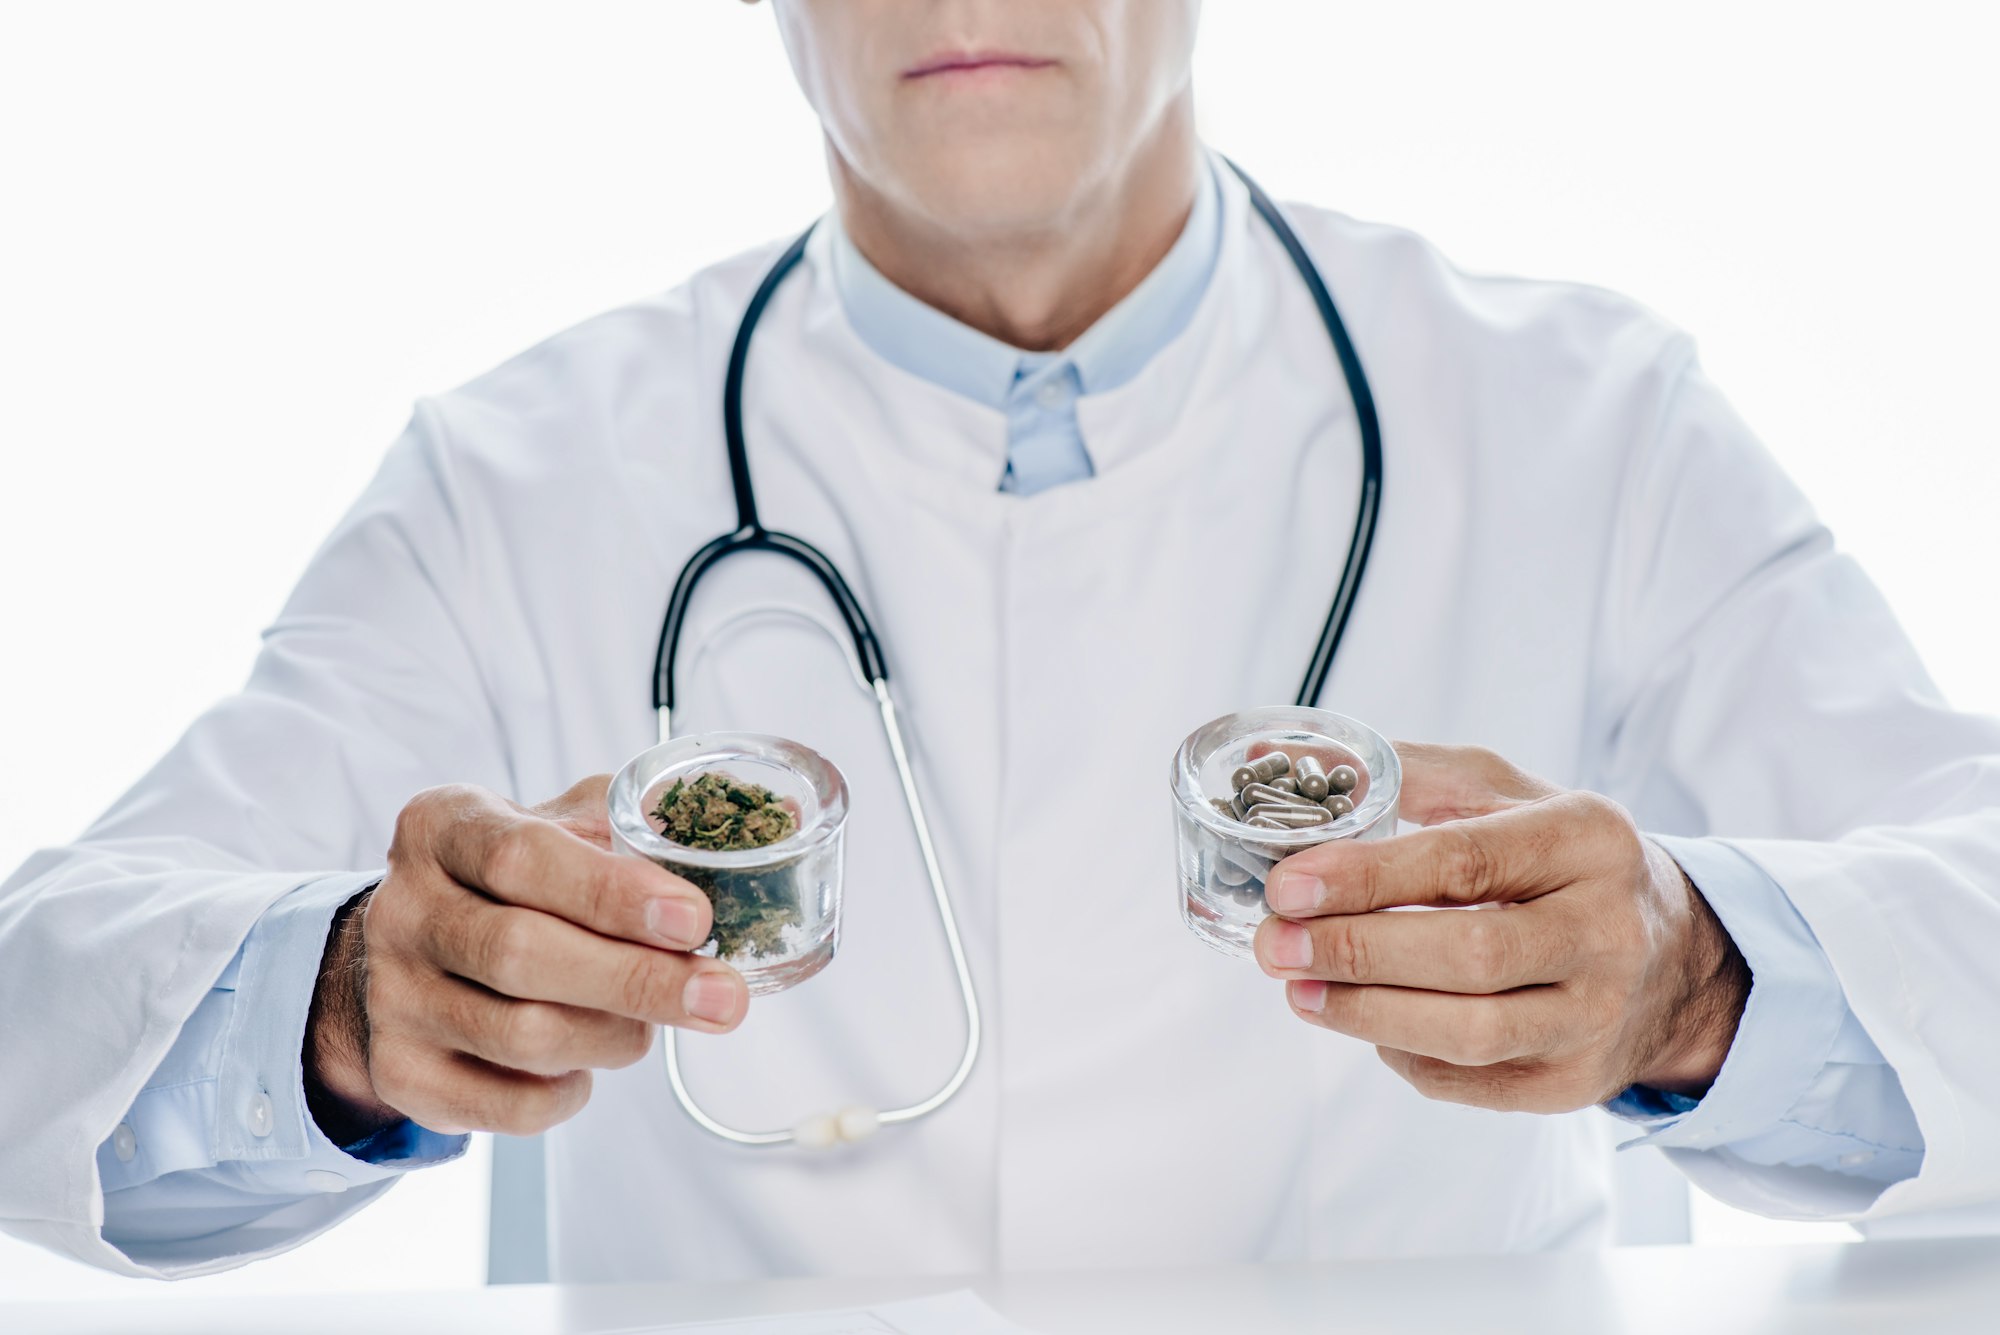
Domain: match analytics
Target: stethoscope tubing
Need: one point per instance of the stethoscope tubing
(870, 664)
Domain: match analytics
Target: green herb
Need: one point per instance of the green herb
(715, 811)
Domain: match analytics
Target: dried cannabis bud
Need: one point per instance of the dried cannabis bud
(715, 811)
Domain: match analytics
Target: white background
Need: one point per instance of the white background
(238, 239)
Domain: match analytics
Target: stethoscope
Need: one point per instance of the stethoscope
(750, 535)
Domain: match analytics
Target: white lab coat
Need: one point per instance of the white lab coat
(1585, 562)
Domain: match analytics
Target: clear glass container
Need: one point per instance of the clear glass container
(1223, 861)
(777, 908)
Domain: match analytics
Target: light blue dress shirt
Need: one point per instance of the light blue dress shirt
(220, 1135)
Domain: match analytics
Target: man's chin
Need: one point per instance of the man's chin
(999, 185)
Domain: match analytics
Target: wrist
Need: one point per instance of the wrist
(1706, 1005)
(339, 1094)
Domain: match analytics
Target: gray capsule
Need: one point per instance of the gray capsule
(1261, 770)
(1342, 778)
(1255, 864)
(1312, 779)
(1264, 792)
(1288, 817)
(1285, 784)
(1227, 875)
(1226, 806)
(1339, 804)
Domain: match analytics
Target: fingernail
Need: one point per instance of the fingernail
(674, 921)
(1306, 995)
(711, 997)
(1289, 946)
(1294, 892)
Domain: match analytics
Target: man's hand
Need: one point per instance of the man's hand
(507, 952)
(1581, 959)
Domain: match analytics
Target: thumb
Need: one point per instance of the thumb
(584, 810)
(1442, 783)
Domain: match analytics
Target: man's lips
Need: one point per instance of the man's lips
(961, 62)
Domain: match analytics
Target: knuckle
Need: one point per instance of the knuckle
(645, 987)
(412, 830)
(533, 1034)
(1343, 952)
(383, 918)
(1368, 880)
(1467, 865)
(505, 856)
(634, 1040)
(420, 817)
(606, 895)
(1488, 951)
(508, 951)
(398, 1075)
(1610, 821)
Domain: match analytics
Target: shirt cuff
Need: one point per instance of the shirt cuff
(230, 1098)
(261, 1112)
(1793, 1014)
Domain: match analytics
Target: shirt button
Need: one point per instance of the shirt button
(124, 1143)
(1053, 394)
(325, 1179)
(262, 1118)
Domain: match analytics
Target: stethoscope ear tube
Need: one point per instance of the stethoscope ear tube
(1369, 509)
(750, 533)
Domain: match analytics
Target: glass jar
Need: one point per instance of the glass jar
(777, 908)
(1224, 862)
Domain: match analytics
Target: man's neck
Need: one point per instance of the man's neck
(1038, 290)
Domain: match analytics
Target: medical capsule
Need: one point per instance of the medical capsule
(1285, 784)
(1289, 817)
(1311, 778)
(1261, 770)
(1338, 804)
(1264, 792)
(1342, 778)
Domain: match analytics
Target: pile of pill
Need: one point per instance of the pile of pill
(1274, 793)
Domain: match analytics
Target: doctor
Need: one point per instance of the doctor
(1052, 396)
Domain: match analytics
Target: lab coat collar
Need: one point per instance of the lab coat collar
(960, 440)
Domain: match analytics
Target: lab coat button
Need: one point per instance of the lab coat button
(262, 1117)
(325, 1179)
(124, 1143)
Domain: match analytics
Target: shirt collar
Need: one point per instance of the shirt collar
(932, 345)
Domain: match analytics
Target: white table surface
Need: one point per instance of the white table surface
(1883, 1288)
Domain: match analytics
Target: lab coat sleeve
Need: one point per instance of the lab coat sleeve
(1753, 688)
(365, 691)
(219, 1140)
(1802, 1085)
